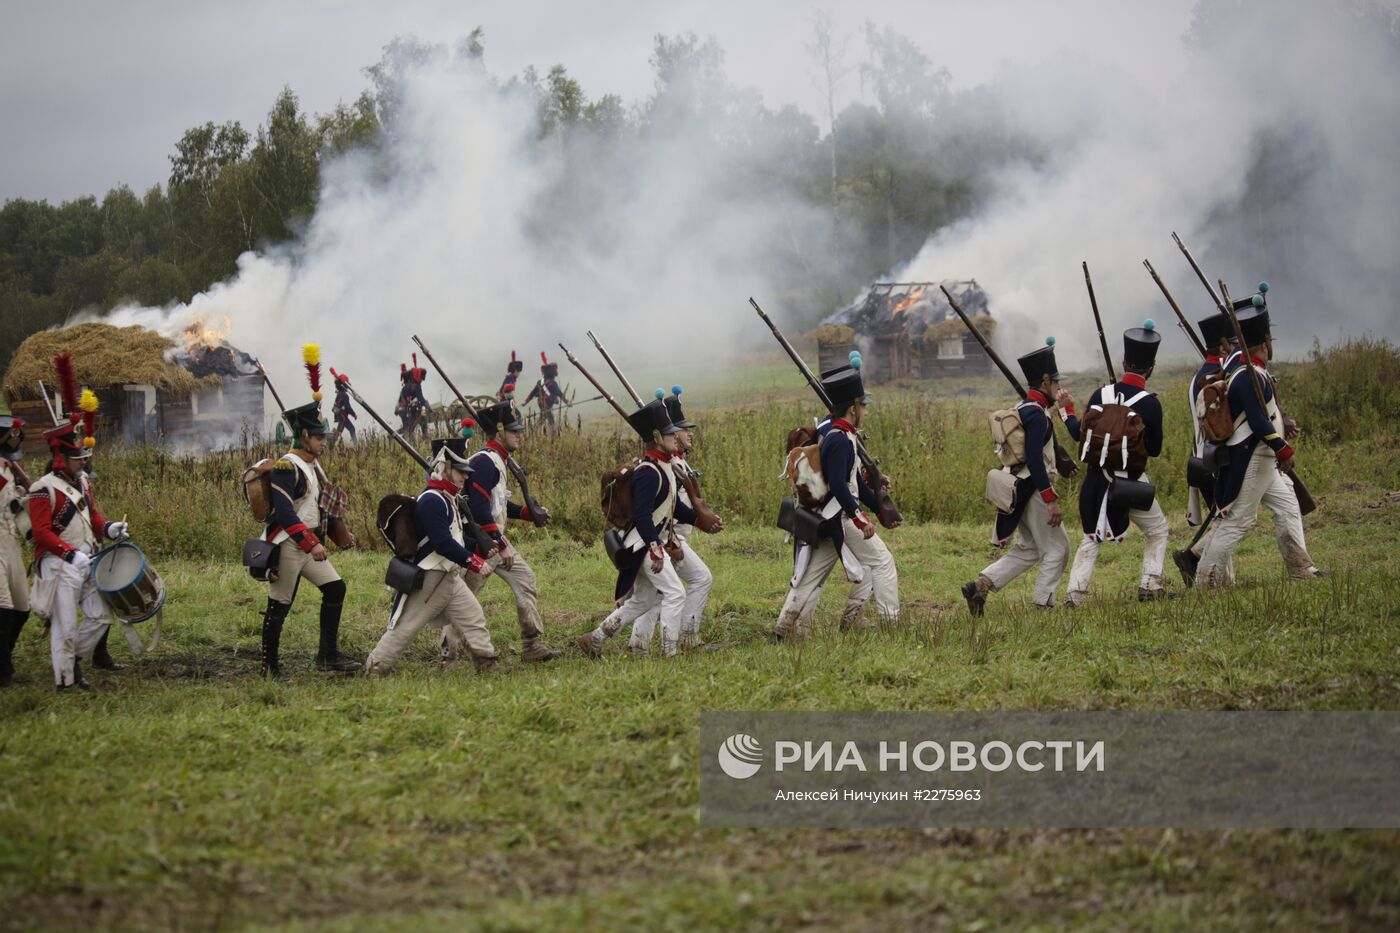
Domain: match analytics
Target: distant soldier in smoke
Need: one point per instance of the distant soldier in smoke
(547, 394)
(488, 497)
(343, 410)
(848, 535)
(1259, 458)
(513, 370)
(1120, 431)
(297, 523)
(443, 557)
(14, 588)
(647, 577)
(412, 406)
(1035, 508)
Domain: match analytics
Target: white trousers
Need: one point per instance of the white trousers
(69, 641)
(881, 581)
(697, 579)
(445, 599)
(1263, 483)
(521, 580)
(1036, 543)
(661, 591)
(1153, 524)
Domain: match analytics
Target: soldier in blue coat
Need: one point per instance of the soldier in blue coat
(1258, 455)
(1105, 517)
(1035, 512)
(647, 577)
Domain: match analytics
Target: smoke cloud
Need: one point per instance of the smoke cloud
(1269, 148)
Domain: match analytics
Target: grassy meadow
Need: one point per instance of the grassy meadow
(187, 793)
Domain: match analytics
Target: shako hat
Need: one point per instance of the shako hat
(652, 418)
(308, 417)
(843, 385)
(503, 414)
(1140, 344)
(674, 411)
(451, 449)
(547, 369)
(515, 365)
(1038, 364)
(1215, 329)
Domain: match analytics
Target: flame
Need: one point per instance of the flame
(907, 301)
(201, 333)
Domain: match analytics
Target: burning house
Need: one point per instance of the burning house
(192, 395)
(905, 330)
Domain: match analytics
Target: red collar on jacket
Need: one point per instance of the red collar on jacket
(1034, 396)
(1213, 359)
(1134, 380)
(841, 424)
(443, 485)
(498, 447)
(1258, 363)
(657, 454)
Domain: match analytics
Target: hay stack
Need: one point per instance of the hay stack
(838, 334)
(103, 356)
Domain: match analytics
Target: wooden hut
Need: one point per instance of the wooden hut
(190, 398)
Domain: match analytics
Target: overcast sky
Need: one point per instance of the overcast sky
(95, 94)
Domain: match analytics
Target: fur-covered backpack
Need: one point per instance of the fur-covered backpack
(1213, 409)
(803, 467)
(1114, 435)
(256, 483)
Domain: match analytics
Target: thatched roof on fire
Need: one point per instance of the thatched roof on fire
(103, 356)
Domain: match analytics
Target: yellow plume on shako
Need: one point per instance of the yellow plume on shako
(311, 353)
(87, 402)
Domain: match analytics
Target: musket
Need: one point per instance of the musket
(538, 515)
(1064, 463)
(1098, 322)
(706, 519)
(1306, 503)
(268, 382)
(1180, 318)
(483, 540)
(886, 511)
(1199, 274)
(616, 372)
(596, 384)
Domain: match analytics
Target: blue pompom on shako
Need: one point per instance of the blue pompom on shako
(1140, 344)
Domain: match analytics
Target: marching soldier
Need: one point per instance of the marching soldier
(648, 578)
(412, 406)
(848, 534)
(14, 588)
(488, 497)
(1101, 517)
(1258, 455)
(342, 409)
(300, 491)
(1216, 336)
(689, 567)
(444, 597)
(547, 393)
(67, 531)
(513, 370)
(1036, 511)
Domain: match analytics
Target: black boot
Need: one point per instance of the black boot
(11, 621)
(328, 656)
(1186, 562)
(102, 658)
(79, 682)
(273, 618)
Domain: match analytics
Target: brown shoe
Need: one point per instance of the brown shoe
(485, 663)
(589, 645)
(535, 650)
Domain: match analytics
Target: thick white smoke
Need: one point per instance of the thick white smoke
(454, 232)
(1133, 157)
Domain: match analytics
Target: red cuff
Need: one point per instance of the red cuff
(1285, 452)
(525, 513)
(308, 541)
(1068, 410)
(493, 528)
(1048, 495)
(860, 521)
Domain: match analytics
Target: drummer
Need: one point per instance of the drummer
(14, 589)
(67, 529)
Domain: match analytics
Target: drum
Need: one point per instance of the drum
(127, 583)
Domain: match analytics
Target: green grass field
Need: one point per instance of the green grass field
(185, 792)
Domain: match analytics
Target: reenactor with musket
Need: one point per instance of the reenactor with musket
(1259, 468)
